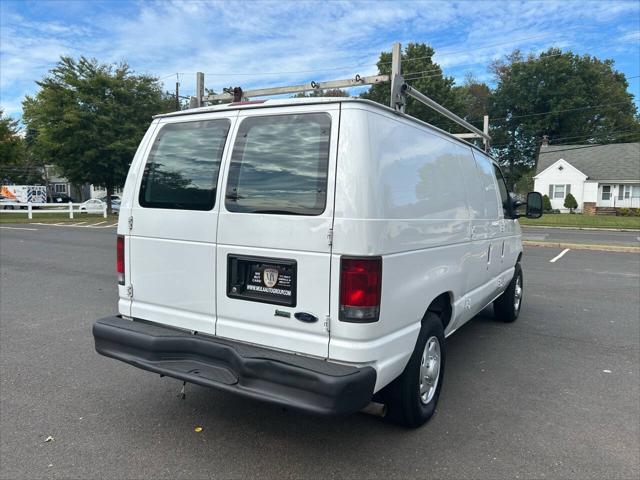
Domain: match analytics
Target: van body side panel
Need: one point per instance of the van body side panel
(273, 238)
(172, 246)
(126, 206)
(399, 195)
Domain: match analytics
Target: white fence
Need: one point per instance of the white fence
(69, 208)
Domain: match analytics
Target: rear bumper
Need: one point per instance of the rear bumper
(303, 383)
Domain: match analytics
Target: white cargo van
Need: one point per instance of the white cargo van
(312, 253)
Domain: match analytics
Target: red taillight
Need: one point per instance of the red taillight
(360, 287)
(120, 259)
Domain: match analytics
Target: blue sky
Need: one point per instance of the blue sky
(264, 43)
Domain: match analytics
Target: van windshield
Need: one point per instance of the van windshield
(279, 165)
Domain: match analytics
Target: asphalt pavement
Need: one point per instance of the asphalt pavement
(627, 238)
(554, 395)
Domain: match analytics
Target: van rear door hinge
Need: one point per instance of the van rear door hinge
(130, 223)
(327, 324)
(130, 291)
(330, 237)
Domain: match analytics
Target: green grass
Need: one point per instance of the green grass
(55, 218)
(579, 220)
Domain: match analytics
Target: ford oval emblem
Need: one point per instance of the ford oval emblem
(305, 317)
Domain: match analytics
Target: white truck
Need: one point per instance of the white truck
(34, 194)
(313, 253)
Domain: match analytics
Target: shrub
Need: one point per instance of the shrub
(570, 202)
(624, 212)
(546, 203)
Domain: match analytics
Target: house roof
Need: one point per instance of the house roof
(618, 161)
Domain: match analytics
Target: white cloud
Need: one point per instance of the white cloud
(332, 39)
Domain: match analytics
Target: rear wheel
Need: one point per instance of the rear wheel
(413, 396)
(506, 307)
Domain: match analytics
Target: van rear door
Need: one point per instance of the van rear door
(274, 226)
(174, 220)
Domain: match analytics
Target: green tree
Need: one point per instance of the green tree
(333, 92)
(524, 183)
(546, 203)
(422, 73)
(475, 97)
(571, 98)
(11, 144)
(17, 166)
(570, 202)
(88, 118)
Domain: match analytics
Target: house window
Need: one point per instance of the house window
(606, 192)
(60, 188)
(627, 191)
(558, 191)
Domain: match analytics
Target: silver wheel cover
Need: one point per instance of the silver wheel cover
(430, 370)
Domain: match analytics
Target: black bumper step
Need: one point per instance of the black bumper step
(303, 383)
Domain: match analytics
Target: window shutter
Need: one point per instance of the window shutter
(620, 192)
(567, 190)
(550, 191)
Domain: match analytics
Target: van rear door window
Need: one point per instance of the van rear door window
(182, 169)
(279, 165)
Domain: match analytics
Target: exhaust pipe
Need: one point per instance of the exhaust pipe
(376, 409)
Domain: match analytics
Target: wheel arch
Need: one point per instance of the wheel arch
(442, 306)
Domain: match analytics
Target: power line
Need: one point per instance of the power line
(557, 111)
(582, 147)
(585, 137)
(344, 67)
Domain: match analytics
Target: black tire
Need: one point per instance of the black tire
(505, 307)
(403, 397)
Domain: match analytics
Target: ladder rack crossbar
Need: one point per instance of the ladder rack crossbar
(306, 87)
(421, 97)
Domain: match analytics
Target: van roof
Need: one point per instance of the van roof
(309, 101)
(264, 103)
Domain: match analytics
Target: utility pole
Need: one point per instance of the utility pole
(199, 89)
(177, 94)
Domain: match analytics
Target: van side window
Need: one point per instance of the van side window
(502, 188)
(182, 168)
(279, 165)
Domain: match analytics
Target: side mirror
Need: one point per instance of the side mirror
(534, 205)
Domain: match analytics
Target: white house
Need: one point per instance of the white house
(600, 177)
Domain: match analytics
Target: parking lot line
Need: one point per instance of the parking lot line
(95, 224)
(21, 228)
(559, 256)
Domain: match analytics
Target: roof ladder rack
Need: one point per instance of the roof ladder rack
(399, 92)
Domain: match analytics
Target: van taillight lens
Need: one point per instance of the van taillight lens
(120, 259)
(360, 287)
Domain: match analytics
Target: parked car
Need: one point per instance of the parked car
(115, 206)
(93, 205)
(115, 202)
(314, 254)
(61, 198)
(114, 198)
